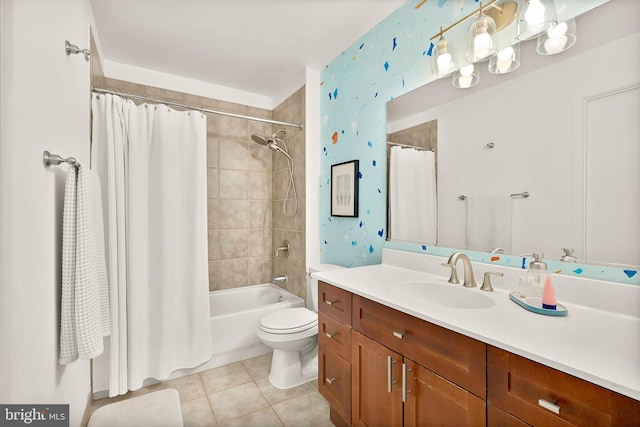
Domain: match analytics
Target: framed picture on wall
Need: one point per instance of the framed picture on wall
(344, 189)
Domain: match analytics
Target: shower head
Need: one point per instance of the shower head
(260, 139)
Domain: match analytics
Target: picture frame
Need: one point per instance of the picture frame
(344, 189)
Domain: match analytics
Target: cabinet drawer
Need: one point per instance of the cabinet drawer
(335, 335)
(540, 395)
(335, 302)
(459, 359)
(334, 381)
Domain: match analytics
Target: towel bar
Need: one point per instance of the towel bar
(53, 159)
(524, 195)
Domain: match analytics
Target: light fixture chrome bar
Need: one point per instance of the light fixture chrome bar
(54, 160)
(461, 20)
(524, 195)
(191, 107)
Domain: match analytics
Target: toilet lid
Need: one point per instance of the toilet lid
(289, 321)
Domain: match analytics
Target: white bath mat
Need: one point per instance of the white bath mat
(157, 409)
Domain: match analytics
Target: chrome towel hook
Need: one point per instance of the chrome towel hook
(72, 48)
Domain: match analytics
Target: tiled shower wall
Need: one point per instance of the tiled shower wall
(291, 229)
(244, 182)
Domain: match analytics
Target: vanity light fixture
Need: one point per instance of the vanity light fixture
(466, 77)
(480, 46)
(506, 60)
(443, 60)
(557, 39)
(536, 17)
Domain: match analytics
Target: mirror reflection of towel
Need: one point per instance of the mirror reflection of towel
(488, 223)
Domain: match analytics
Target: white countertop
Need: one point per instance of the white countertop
(599, 342)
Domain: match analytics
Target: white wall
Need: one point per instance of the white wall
(312, 165)
(44, 106)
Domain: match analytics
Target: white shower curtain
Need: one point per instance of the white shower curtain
(413, 211)
(151, 161)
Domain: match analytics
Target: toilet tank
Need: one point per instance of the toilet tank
(312, 283)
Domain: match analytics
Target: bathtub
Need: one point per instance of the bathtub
(235, 315)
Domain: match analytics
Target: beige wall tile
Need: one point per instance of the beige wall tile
(234, 244)
(260, 185)
(233, 184)
(213, 245)
(234, 214)
(233, 128)
(213, 276)
(213, 183)
(233, 273)
(260, 242)
(260, 270)
(297, 242)
(260, 214)
(234, 154)
(260, 158)
(212, 213)
(166, 95)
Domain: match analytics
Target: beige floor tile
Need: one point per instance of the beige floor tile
(262, 418)
(189, 387)
(309, 410)
(258, 367)
(198, 413)
(224, 377)
(236, 402)
(275, 395)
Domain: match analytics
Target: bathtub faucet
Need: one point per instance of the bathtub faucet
(280, 279)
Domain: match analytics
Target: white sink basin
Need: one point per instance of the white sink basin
(454, 296)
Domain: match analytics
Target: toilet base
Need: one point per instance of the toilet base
(291, 369)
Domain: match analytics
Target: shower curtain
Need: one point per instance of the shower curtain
(413, 210)
(151, 161)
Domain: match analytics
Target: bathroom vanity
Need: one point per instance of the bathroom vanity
(401, 346)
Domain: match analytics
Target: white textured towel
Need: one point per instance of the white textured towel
(488, 223)
(84, 313)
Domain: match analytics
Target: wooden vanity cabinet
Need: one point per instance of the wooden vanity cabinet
(334, 351)
(542, 396)
(390, 388)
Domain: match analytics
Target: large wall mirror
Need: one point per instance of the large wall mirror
(563, 129)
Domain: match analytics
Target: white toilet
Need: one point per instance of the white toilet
(293, 335)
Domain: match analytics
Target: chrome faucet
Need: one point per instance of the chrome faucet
(568, 255)
(469, 281)
(280, 279)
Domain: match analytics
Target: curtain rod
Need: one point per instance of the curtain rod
(191, 107)
(396, 144)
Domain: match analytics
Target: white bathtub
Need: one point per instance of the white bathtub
(235, 315)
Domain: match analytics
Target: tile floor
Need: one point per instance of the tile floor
(240, 395)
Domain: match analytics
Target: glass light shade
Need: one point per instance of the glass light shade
(480, 46)
(506, 60)
(557, 39)
(466, 77)
(443, 60)
(536, 17)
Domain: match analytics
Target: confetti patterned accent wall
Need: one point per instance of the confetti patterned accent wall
(391, 59)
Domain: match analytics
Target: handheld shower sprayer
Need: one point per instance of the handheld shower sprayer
(273, 143)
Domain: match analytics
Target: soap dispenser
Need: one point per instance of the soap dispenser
(536, 277)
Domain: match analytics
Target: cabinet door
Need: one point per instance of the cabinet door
(431, 400)
(376, 384)
(334, 381)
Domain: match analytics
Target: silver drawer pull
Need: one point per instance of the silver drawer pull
(330, 334)
(405, 390)
(329, 302)
(330, 380)
(550, 406)
(399, 334)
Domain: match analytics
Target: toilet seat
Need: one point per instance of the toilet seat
(289, 321)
